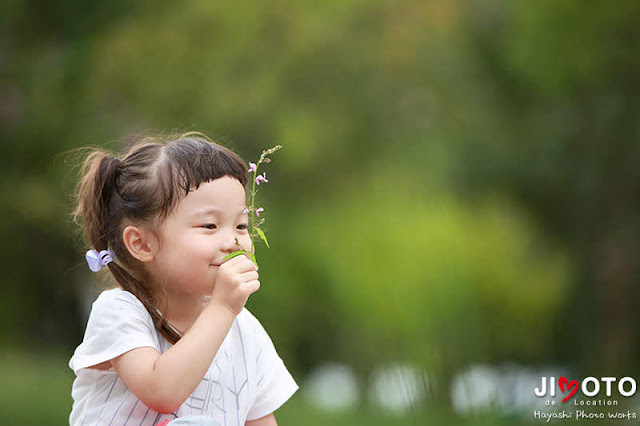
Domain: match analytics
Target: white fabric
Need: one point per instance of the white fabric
(246, 381)
(194, 421)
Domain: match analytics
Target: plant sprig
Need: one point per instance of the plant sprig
(254, 228)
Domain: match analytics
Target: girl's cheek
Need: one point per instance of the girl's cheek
(246, 242)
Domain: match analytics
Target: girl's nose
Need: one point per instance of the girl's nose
(229, 244)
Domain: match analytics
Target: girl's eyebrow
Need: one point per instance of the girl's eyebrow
(209, 210)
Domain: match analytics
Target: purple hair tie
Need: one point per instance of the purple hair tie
(97, 260)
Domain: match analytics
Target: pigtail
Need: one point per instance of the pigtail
(135, 287)
(100, 207)
(90, 198)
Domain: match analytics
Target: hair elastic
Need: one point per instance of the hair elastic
(97, 260)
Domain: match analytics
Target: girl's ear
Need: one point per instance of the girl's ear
(141, 243)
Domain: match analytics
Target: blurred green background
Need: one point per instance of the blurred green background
(458, 185)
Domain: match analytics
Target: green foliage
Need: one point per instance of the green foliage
(36, 388)
(262, 236)
(440, 278)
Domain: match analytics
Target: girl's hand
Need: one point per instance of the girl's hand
(235, 281)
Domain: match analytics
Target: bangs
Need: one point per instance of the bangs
(188, 162)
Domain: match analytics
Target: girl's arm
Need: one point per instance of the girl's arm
(164, 381)
(269, 420)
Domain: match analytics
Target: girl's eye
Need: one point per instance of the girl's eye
(213, 226)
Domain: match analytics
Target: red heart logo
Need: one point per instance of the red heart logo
(573, 384)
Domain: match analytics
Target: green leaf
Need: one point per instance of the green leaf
(264, 237)
(240, 252)
(234, 254)
(253, 258)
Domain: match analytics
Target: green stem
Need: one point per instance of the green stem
(253, 232)
(253, 198)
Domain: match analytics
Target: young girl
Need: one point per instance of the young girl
(173, 340)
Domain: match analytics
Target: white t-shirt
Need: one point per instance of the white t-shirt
(246, 381)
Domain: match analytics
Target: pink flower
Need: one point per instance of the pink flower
(252, 167)
(258, 211)
(262, 177)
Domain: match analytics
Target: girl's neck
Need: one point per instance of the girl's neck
(183, 310)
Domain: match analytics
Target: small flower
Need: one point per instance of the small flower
(262, 177)
(252, 167)
(258, 211)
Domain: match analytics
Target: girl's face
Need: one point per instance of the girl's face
(196, 236)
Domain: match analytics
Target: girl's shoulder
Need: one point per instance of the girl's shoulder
(115, 293)
(247, 321)
(245, 318)
(246, 315)
(116, 306)
(118, 322)
(117, 298)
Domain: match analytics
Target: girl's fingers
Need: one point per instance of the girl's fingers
(249, 257)
(253, 286)
(249, 276)
(233, 261)
(246, 265)
(240, 264)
